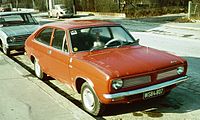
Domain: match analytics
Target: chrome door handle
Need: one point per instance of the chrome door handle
(49, 52)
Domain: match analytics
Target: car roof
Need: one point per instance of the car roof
(75, 24)
(15, 12)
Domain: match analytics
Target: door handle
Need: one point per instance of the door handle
(49, 52)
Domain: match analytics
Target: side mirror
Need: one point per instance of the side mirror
(137, 40)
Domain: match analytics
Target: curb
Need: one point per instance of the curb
(75, 111)
(182, 27)
(122, 15)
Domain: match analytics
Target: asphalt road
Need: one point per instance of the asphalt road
(181, 103)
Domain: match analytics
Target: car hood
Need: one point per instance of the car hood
(19, 30)
(130, 60)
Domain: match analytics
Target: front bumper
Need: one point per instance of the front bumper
(15, 46)
(146, 89)
(66, 15)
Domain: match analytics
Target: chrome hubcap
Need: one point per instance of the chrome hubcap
(37, 69)
(88, 99)
(4, 49)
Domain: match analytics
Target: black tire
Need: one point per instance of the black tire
(49, 15)
(96, 108)
(38, 71)
(57, 16)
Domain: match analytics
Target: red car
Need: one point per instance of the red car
(103, 62)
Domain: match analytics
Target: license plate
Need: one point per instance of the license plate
(153, 93)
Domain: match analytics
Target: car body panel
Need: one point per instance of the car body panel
(19, 30)
(59, 65)
(112, 59)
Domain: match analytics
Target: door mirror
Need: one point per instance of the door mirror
(137, 41)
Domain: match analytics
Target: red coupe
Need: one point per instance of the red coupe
(103, 62)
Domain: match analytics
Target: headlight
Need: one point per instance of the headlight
(117, 84)
(10, 39)
(180, 70)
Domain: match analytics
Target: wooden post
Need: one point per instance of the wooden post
(119, 6)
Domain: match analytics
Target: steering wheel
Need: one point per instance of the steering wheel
(113, 40)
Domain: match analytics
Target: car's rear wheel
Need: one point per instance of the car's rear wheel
(90, 101)
(38, 71)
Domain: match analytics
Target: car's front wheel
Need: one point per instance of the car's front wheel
(49, 15)
(5, 50)
(38, 71)
(90, 101)
(57, 16)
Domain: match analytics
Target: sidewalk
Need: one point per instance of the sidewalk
(189, 26)
(24, 97)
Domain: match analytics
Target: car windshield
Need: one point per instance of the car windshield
(17, 19)
(62, 7)
(96, 38)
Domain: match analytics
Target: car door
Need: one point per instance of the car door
(59, 56)
(41, 48)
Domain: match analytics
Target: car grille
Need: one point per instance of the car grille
(136, 81)
(167, 74)
(68, 11)
(21, 38)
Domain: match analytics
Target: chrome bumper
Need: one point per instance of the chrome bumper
(146, 89)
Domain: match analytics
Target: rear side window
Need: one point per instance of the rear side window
(45, 36)
(58, 39)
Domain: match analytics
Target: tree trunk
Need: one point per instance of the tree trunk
(17, 2)
(33, 3)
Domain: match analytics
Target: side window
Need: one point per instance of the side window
(45, 36)
(65, 46)
(58, 39)
(30, 19)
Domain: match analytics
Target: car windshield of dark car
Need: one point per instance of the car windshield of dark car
(96, 38)
(17, 19)
(62, 7)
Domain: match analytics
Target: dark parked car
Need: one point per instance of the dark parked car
(103, 62)
(15, 27)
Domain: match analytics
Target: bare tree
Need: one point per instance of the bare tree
(33, 3)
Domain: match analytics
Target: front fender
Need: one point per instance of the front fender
(96, 78)
(3, 38)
